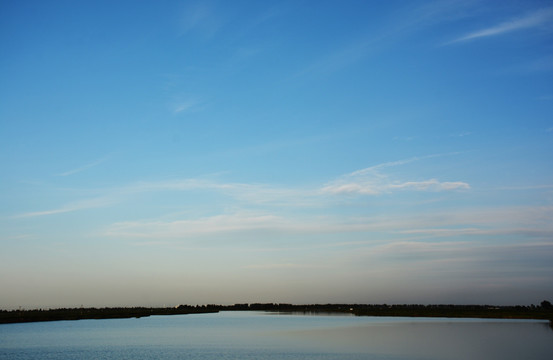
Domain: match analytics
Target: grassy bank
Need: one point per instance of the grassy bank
(450, 311)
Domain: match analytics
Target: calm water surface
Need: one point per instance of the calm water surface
(251, 335)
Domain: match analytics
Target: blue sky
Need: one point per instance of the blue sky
(157, 153)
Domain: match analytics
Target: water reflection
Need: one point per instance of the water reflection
(434, 339)
(248, 335)
(309, 313)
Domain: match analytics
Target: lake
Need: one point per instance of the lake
(267, 336)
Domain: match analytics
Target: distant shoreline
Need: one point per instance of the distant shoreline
(443, 311)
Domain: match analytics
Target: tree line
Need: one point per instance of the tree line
(542, 311)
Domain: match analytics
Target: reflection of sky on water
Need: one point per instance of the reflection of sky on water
(435, 339)
(245, 335)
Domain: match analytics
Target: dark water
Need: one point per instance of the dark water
(248, 335)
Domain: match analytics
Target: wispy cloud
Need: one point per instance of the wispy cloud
(260, 194)
(372, 187)
(71, 207)
(83, 167)
(528, 187)
(226, 225)
(200, 18)
(339, 59)
(186, 105)
(252, 193)
(461, 134)
(19, 237)
(372, 181)
(431, 254)
(264, 228)
(229, 226)
(531, 20)
(543, 64)
(367, 181)
(430, 185)
(445, 232)
(182, 106)
(196, 227)
(400, 162)
(401, 25)
(280, 266)
(476, 218)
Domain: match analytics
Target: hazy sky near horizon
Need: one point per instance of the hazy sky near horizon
(166, 152)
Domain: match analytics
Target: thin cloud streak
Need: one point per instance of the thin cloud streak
(76, 206)
(368, 181)
(228, 224)
(183, 106)
(475, 231)
(534, 19)
(282, 266)
(529, 187)
(373, 43)
(201, 19)
(82, 168)
(431, 185)
(371, 181)
(249, 193)
(400, 162)
(460, 256)
(469, 224)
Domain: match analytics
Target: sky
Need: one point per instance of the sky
(156, 153)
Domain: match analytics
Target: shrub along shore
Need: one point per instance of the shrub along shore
(542, 311)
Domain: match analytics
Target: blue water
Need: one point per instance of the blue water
(250, 335)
